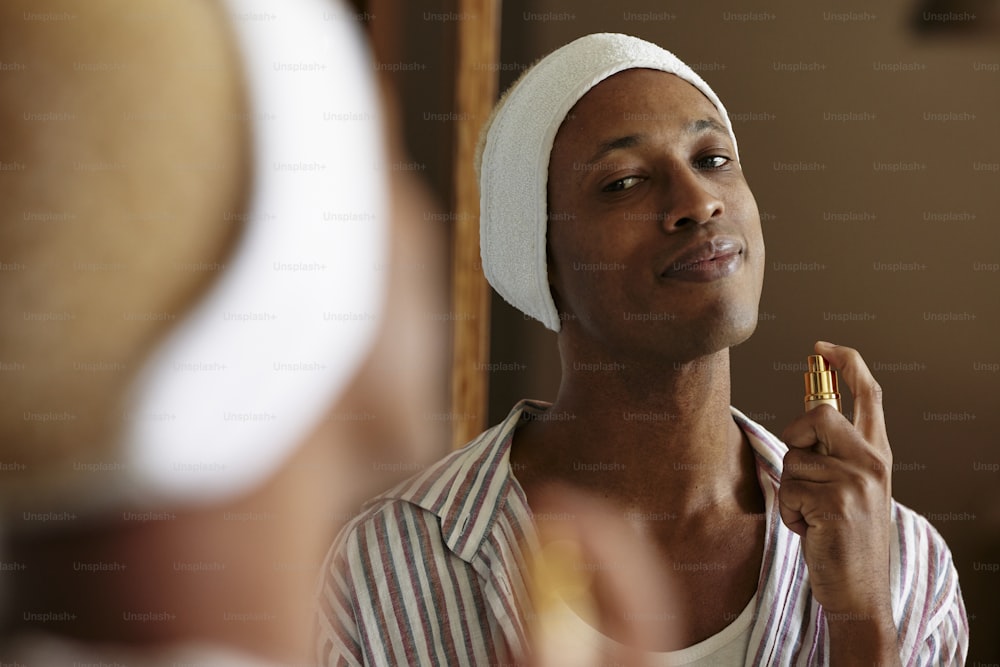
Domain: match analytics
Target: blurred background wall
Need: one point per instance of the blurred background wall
(870, 136)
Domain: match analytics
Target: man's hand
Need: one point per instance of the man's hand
(836, 492)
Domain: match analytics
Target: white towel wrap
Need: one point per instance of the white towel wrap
(290, 319)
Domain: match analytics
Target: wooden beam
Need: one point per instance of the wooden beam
(475, 93)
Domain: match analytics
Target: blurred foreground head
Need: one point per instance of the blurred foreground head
(190, 261)
(194, 250)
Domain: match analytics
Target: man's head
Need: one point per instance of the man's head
(597, 263)
(654, 240)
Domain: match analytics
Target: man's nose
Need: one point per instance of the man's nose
(689, 200)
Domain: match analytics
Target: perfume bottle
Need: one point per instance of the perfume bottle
(821, 384)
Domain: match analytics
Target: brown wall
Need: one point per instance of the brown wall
(879, 189)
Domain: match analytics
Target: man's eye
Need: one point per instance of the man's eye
(713, 162)
(622, 184)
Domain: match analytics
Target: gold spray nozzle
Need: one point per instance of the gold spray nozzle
(821, 384)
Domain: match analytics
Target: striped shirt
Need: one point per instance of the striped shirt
(435, 572)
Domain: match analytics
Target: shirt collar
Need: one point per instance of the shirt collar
(468, 488)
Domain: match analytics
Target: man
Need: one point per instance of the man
(614, 210)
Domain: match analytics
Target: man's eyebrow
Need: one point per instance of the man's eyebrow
(606, 147)
(631, 140)
(706, 125)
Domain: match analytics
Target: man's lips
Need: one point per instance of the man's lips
(706, 260)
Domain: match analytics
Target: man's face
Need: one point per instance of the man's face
(654, 237)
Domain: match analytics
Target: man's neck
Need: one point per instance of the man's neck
(643, 435)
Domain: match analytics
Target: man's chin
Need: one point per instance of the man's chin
(744, 333)
(719, 335)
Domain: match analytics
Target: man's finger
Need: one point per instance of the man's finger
(868, 415)
(818, 429)
(811, 466)
(790, 499)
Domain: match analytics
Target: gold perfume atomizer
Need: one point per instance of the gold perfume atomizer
(821, 384)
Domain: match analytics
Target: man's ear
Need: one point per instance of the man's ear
(553, 289)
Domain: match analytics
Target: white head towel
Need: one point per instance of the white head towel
(514, 165)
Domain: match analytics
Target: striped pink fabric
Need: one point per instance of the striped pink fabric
(433, 572)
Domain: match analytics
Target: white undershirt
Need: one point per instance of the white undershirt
(726, 648)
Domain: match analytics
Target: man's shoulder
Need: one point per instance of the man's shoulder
(918, 536)
(423, 494)
(927, 598)
(921, 561)
(430, 488)
(457, 493)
